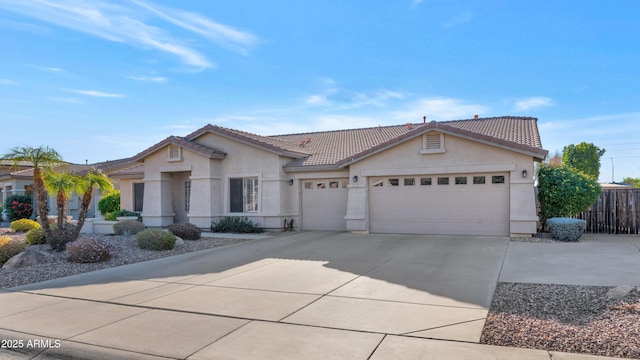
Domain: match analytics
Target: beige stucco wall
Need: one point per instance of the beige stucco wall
(460, 156)
(210, 184)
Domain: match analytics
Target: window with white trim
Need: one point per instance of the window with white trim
(432, 143)
(243, 195)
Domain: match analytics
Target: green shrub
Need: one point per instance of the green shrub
(24, 225)
(155, 239)
(18, 207)
(109, 203)
(124, 212)
(128, 227)
(566, 229)
(564, 192)
(10, 248)
(87, 251)
(185, 231)
(112, 216)
(235, 224)
(36, 237)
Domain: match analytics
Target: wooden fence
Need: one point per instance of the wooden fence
(615, 212)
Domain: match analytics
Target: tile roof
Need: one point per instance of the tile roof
(338, 147)
(270, 143)
(176, 140)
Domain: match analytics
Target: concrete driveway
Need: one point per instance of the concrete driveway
(300, 295)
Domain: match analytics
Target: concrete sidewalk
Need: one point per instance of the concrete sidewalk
(312, 295)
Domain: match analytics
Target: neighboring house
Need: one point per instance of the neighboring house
(20, 182)
(466, 177)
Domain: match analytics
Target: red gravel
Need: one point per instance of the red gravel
(578, 319)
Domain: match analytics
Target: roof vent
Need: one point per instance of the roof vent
(409, 126)
(475, 116)
(424, 119)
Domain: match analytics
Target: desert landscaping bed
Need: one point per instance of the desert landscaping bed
(123, 250)
(596, 320)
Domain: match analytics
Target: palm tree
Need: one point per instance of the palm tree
(40, 157)
(94, 178)
(63, 184)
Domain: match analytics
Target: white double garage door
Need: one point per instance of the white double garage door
(457, 204)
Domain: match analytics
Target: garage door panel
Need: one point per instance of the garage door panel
(458, 209)
(324, 204)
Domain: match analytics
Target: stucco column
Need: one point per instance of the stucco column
(522, 204)
(158, 208)
(205, 202)
(357, 206)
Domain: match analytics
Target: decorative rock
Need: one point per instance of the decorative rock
(619, 292)
(179, 241)
(28, 257)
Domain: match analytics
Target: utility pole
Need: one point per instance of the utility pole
(612, 177)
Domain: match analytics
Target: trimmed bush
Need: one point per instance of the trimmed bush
(155, 239)
(128, 227)
(36, 237)
(87, 251)
(24, 225)
(109, 203)
(235, 224)
(18, 207)
(566, 229)
(564, 192)
(185, 231)
(10, 248)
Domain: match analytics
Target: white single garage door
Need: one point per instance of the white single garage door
(324, 204)
(471, 204)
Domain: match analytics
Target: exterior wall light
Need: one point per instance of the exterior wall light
(355, 178)
(290, 181)
(524, 173)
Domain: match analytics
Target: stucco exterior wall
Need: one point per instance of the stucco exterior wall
(460, 156)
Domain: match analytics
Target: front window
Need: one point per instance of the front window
(243, 194)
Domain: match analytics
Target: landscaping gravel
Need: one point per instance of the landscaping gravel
(578, 319)
(123, 250)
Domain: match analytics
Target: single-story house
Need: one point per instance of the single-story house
(464, 177)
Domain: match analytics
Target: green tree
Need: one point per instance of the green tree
(41, 158)
(564, 192)
(62, 184)
(584, 157)
(633, 181)
(93, 179)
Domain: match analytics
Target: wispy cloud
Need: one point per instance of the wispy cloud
(221, 34)
(8, 82)
(533, 102)
(335, 98)
(97, 93)
(25, 27)
(128, 22)
(458, 20)
(46, 68)
(154, 79)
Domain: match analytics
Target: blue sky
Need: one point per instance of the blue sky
(105, 79)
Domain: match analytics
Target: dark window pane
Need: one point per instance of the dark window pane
(478, 180)
(138, 196)
(443, 181)
(235, 195)
(425, 181)
(394, 182)
(461, 180)
(498, 179)
(409, 181)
